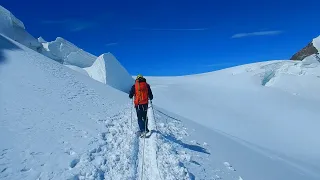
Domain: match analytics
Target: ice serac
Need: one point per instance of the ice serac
(108, 70)
(65, 52)
(13, 28)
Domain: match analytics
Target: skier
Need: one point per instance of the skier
(142, 92)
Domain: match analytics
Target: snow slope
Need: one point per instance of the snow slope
(65, 52)
(316, 43)
(272, 105)
(108, 70)
(54, 120)
(14, 28)
(58, 124)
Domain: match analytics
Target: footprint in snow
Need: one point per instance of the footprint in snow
(74, 162)
(228, 165)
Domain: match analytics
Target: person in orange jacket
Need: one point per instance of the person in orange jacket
(142, 93)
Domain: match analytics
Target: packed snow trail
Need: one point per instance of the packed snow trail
(148, 167)
(161, 161)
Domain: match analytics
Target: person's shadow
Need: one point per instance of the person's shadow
(6, 44)
(184, 145)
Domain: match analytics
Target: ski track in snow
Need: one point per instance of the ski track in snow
(148, 170)
(161, 161)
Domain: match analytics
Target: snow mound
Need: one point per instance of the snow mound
(13, 28)
(316, 43)
(108, 70)
(65, 52)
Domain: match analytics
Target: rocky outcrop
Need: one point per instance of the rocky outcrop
(305, 52)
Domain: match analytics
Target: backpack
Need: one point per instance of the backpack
(141, 93)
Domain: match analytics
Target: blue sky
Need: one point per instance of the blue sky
(171, 37)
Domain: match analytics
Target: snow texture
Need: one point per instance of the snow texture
(316, 43)
(67, 53)
(12, 27)
(108, 70)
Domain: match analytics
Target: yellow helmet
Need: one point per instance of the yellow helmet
(139, 76)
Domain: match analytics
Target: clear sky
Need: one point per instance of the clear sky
(171, 37)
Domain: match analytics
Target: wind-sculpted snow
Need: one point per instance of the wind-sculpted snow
(12, 27)
(108, 70)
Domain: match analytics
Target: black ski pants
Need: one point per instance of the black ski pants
(142, 110)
